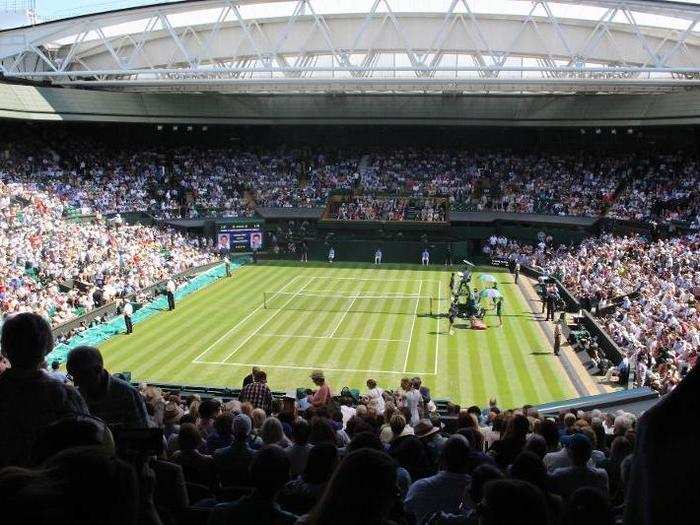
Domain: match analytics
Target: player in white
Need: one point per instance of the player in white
(331, 255)
(378, 256)
(425, 257)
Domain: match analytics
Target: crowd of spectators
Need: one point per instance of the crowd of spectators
(62, 267)
(384, 208)
(169, 181)
(378, 457)
(667, 190)
(372, 208)
(644, 292)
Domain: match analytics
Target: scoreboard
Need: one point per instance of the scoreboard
(240, 237)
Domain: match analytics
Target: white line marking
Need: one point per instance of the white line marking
(268, 320)
(356, 296)
(335, 338)
(437, 332)
(334, 294)
(345, 314)
(239, 323)
(325, 369)
(378, 279)
(413, 324)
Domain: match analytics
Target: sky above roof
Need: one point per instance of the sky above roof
(53, 9)
(48, 10)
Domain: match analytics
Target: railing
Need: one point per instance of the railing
(605, 342)
(615, 301)
(110, 309)
(572, 304)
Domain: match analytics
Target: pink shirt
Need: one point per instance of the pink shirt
(322, 396)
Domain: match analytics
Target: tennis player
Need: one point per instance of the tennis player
(378, 256)
(499, 305)
(452, 315)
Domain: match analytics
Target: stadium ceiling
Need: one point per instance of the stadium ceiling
(367, 46)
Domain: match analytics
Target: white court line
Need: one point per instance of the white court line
(378, 279)
(324, 368)
(410, 337)
(332, 294)
(334, 338)
(437, 331)
(312, 293)
(239, 323)
(268, 319)
(345, 314)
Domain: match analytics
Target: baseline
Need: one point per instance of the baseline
(294, 367)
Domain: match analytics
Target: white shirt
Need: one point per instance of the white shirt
(375, 399)
(171, 286)
(128, 309)
(412, 399)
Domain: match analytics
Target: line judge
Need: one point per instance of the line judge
(170, 294)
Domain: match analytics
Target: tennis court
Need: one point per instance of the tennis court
(353, 321)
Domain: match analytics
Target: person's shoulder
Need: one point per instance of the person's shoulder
(118, 384)
(550, 456)
(421, 484)
(166, 467)
(221, 452)
(600, 472)
(561, 472)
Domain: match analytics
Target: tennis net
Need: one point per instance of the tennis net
(353, 303)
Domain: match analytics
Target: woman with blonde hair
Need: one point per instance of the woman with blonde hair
(258, 417)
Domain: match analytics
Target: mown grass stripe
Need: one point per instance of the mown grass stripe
(473, 366)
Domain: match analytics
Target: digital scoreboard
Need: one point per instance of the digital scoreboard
(242, 237)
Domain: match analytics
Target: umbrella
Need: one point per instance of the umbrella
(492, 293)
(487, 278)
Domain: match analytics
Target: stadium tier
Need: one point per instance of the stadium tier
(389, 262)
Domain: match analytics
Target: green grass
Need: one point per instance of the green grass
(215, 336)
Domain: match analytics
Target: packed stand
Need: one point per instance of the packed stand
(372, 208)
(171, 182)
(185, 181)
(63, 268)
(646, 294)
(378, 456)
(668, 190)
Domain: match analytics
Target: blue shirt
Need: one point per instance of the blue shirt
(444, 491)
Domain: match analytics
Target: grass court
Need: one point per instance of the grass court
(354, 321)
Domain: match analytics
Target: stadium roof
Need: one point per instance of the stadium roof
(367, 46)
